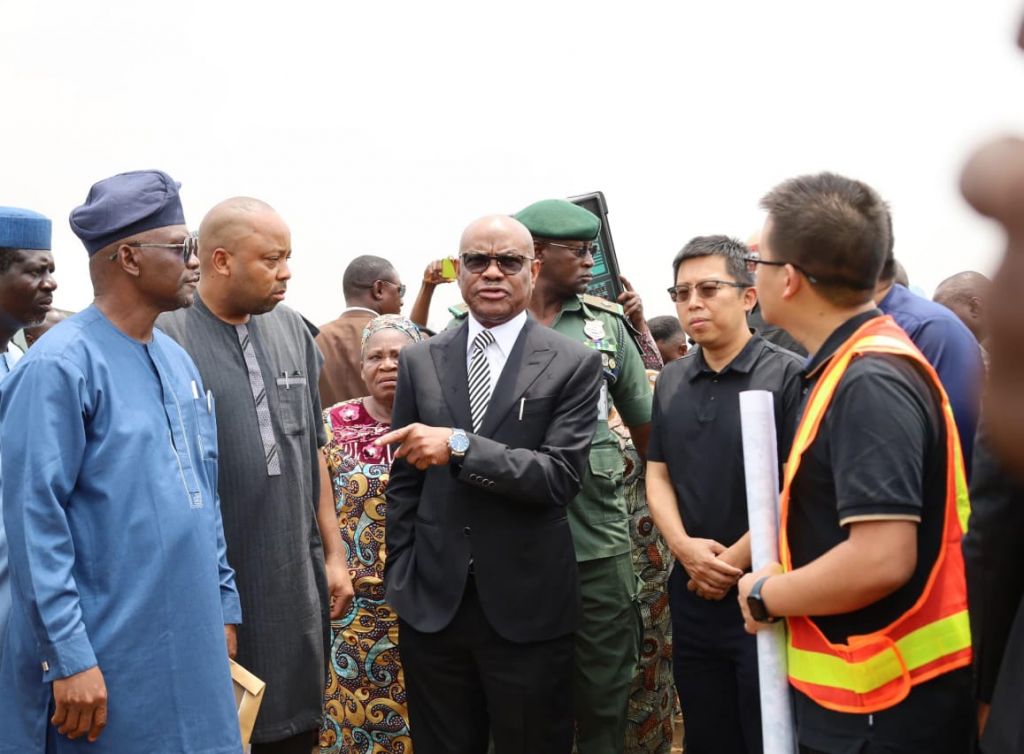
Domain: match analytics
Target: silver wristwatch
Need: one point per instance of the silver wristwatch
(458, 444)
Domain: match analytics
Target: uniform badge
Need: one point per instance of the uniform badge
(594, 329)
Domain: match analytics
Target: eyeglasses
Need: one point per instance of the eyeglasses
(579, 251)
(509, 264)
(706, 289)
(186, 248)
(753, 260)
(399, 286)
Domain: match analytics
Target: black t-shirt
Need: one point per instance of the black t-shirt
(695, 431)
(880, 452)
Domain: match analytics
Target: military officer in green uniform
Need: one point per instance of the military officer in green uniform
(607, 643)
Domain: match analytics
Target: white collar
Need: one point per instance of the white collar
(360, 309)
(505, 334)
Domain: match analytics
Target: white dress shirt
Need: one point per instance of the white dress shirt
(505, 337)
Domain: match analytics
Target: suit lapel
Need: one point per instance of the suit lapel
(528, 360)
(450, 365)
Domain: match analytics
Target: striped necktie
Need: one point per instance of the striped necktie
(259, 397)
(479, 378)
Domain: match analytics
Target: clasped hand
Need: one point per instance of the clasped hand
(711, 576)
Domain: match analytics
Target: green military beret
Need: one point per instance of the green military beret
(560, 220)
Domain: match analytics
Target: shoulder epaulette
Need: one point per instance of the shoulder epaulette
(459, 310)
(602, 303)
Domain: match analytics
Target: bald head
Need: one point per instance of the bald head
(244, 248)
(499, 291)
(509, 231)
(228, 221)
(965, 294)
(962, 285)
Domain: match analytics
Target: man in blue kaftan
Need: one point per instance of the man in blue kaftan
(26, 293)
(121, 589)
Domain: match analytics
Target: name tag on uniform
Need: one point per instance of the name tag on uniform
(602, 403)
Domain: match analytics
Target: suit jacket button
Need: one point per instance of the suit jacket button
(490, 482)
(467, 531)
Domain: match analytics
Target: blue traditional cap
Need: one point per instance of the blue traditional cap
(24, 229)
(128, 203)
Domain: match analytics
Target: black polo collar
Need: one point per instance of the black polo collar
(839, 336)
(742, 363)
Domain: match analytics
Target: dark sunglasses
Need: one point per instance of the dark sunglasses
(186, 248)
(579, 251)
(509, 264)
(706, 289)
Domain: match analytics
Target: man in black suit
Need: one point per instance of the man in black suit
(494, 419)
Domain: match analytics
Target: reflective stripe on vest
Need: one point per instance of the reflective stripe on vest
(876, 671)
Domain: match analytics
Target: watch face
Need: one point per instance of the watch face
(458, 442)
(757, 609)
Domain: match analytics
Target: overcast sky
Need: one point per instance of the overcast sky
(386, 127)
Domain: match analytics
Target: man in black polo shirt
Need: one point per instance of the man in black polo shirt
(867, 499)
(696, 489)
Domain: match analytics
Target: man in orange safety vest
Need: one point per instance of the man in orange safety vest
(874, 500)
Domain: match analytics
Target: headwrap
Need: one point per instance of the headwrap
(393, 322)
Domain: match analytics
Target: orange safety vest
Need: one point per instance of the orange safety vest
(876, 671)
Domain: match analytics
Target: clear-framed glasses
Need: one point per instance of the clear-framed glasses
(509, 264)
(399, 286)
(579, 251)
(706, 289)
(186, 248)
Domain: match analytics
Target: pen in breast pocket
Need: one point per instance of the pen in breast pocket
(195, 391)
(522, 402)
(209, 402)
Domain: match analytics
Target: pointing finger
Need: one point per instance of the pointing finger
(397, 435)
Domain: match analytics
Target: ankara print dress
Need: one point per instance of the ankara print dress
(365, 708)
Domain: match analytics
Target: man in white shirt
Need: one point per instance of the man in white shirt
(494, 417)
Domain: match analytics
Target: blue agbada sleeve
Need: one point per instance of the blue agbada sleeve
(43, 434)
(229, 600)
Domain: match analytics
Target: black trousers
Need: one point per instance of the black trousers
(466, 683)
(300, 743)
(938, 717)
(715, 668)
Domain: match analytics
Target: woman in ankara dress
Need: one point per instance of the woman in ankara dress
(652, 698)
(365, 702)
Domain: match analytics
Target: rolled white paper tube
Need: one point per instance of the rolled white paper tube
(761, 467)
